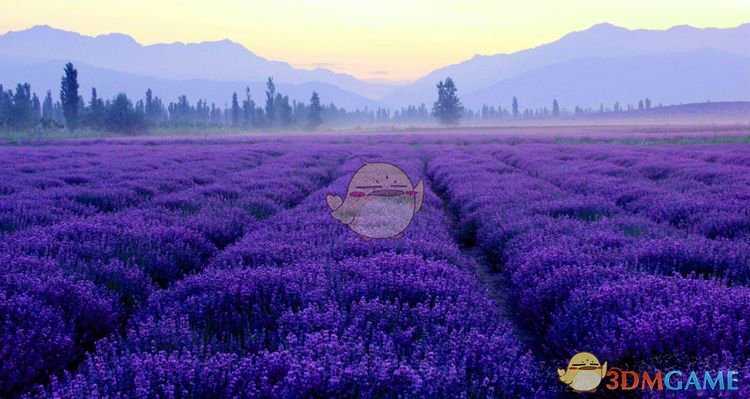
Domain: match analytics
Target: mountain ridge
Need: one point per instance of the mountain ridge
(591, 81)
(601, 40)
(225, 61)
(43, 76)
(221, 60)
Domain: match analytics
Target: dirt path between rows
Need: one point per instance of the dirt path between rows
(491, 278)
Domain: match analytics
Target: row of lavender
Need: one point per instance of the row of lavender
(303, 307)
(280, 300)
(47, 184)
(79, 279)
(585, 273)
(703, 196)
(701, 211)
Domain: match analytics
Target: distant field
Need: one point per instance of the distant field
(211, 266)
(577, 129)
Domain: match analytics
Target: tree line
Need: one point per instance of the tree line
(449, 111)
(23, 110)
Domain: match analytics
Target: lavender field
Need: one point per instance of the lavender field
(191, 268)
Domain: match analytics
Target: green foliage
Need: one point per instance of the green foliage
(447, 109)
(270, 99)
(248, 109)
(235, 110)
(122, 116)
(22, 116)
(96, 112)
(283, 110)
(69, 96)
(19, 110)
(314, 118)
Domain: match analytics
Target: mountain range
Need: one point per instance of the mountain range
(602, 64)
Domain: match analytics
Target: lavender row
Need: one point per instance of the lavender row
(599, 192)
(309, 231)
(570, 281)
(47, 184)
(700, 197)
(118, 260)
(302, 307)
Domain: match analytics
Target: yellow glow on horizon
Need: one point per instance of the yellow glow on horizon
(388, 39)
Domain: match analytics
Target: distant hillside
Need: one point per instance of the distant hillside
(46, 76)
(602, 64)
(222, 60)
(668, 78)
(603, 41)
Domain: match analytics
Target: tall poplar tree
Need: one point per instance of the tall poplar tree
(69, 96)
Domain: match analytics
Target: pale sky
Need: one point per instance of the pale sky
(398, 40)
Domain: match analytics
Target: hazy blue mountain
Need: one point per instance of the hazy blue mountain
(668, 78)
(46, 75)
(599, 41)
(219, 61)
(604, 63)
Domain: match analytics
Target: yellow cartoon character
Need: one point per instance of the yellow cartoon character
(584, 372)
(380, 203)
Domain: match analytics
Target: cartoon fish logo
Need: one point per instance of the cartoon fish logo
(380, 203)
(584, 373)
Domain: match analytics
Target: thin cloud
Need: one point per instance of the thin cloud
(322, 65)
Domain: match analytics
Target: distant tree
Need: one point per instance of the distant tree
(248, 109)
(555, 108)
(37, 106)
(314, 118)
(215, 116)
(447, 109)
(515, 107)
(122, 117)
(181, 112)
(153, 108)
(5, 105)
(201, 113)
(48, 106)
(283, 110)
(49, 112)
(617, 106)
(81, 108)
(270, 98)
(235, 110)
(149, 98)
(96, 112)
(140, 110)
(640, 104)
(69, 96)
(259, 120)
(648, 103)
(58, 114)
(22, 111)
